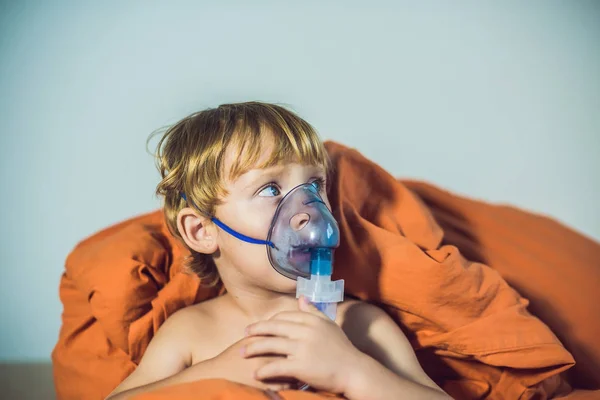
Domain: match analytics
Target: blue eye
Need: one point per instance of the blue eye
(270, 191)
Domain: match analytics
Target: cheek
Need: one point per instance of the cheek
(250, 221)
(252, 262)
(248, 218)
(240, 252)
(250, 257)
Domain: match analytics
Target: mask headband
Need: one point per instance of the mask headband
(233, 232)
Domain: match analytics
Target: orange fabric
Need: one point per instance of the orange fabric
(582, 395)
(555, 268)
(219, 389)
(472, 331)
(119, 286)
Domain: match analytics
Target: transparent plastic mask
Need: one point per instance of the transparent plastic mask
(302, 223)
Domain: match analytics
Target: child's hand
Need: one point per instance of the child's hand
(317, 350)
(233, 366)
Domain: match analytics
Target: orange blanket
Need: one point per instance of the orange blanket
(215, 389)
(472, 331)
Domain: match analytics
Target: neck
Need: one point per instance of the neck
(256, 303)
(257, 306)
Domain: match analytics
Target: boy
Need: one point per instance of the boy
(234, 164)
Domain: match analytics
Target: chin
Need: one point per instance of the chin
(285, 285)
(269, 279)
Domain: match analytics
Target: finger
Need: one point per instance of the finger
(270, 345)
(274, 327)
(278, 384)
(305, 305)
(299, 317)
(284, 368)
(278, 387)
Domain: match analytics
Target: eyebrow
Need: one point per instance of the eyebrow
(271, 173)
(263, 177)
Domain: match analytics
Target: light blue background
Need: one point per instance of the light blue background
(497, 100)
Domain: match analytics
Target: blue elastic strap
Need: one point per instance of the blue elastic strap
(239, 235)
(234, 233)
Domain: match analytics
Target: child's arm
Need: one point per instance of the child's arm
(167, 361)
(164, 362)
(374, 382)
(390, 368)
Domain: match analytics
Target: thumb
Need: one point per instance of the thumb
(305, 305)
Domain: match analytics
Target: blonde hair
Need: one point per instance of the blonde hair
(190, 157)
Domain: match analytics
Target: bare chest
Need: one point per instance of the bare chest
(214, 335)
(215, 339)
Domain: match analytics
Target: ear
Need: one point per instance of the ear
(197, 231)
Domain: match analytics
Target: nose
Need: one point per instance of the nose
(299, 221)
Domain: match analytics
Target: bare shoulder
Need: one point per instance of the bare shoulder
(360, 315)
(355, 305)
(375, 333)
(369, 327)
(180, 331)
(185, 338)
(189, 320)
(168, 353)
(208, 328)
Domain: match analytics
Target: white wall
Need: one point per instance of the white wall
(499, 101)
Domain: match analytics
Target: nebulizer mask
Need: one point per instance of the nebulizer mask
(302, 238)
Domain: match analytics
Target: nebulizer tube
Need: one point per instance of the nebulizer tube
(319, 289)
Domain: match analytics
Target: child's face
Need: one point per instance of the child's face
(249, 208)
